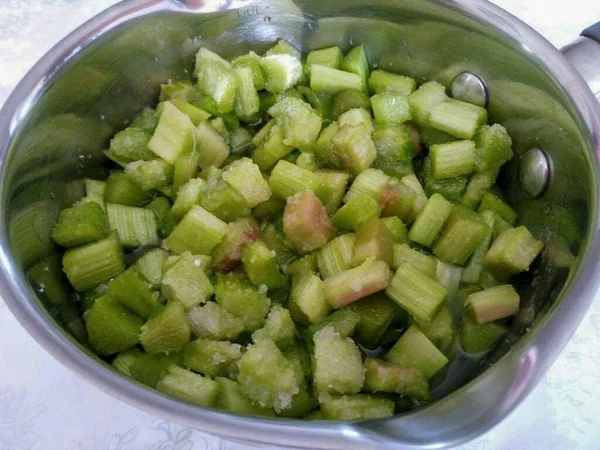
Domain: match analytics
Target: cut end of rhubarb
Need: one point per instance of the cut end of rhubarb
(306, 223)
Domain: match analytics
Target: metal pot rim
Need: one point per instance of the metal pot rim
(39, 324)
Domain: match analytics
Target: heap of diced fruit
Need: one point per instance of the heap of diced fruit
(307, 238)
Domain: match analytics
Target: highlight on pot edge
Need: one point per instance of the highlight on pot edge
(297, 235)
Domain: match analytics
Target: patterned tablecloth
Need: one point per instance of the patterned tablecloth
(44, 406)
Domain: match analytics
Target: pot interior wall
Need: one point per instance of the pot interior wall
(94, 93)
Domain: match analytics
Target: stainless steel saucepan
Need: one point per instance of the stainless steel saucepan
(58, 120)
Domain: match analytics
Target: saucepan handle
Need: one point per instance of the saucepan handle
(584, 55)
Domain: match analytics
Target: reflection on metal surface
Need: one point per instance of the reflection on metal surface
(534, 173)
(66, 109)
(469, 87)
(584, 54)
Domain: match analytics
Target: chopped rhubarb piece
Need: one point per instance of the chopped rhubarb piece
(396, 200)
(306, 223)
(227, 256)
(350, 285)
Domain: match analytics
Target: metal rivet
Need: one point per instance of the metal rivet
(534, 172)
(470, 88)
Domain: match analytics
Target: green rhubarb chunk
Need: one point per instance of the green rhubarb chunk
(452, 160)
(397, 228)
(355, 117)
(431, 221)
(420, 295)
(398, 200)
(212, 148)
(303, 265)
(121, 189)
(111, 327)
(282, 71)
(243, 300)
(350, 285)
(512, 252)
(381, 81)
(125, 360)
(323, 148)
(328, 57)
(493, 148)
(151, 368)
(356, 61)
(288, 179)
(369, 181)
(357, 407)
(252, 61)
(338, 367)
(188, 386)
(332, 81)
(300, 123)
(212, 358)
(147, 119)
(414, 351)
(492, 304)
(168, 331)
(186, 282)
(301, 358)
(343, 321)
(450, 188)
(307, 302)
(376, 313)
(424, 99)
(373, 240)
(279, 328)
(227, 255)
(131, 144)
(491, 202)
(267, 377)
(198, 232)
(390, 108)
(336, 256)
(195, 114)
(131, 289)
(441, 331)
(184, 90)
(80, 225)
(478, 185)
(357, 210)
(274, 237)
(212, 321)
(150, 265)
(173, 134)
(395, 149)
(458, 118)
(244, 176)
(247, 103)
(270, 149)
(476, 338)
(136, 226)
(306, 223)
(221, 200)
(464, 233)
(347, 100)
(216, 79)
(403, 254)
(49, 281)
(232, 399)
(381, 376)
(150, 174)
(91, 264)
(261, 267)
(165, 220)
